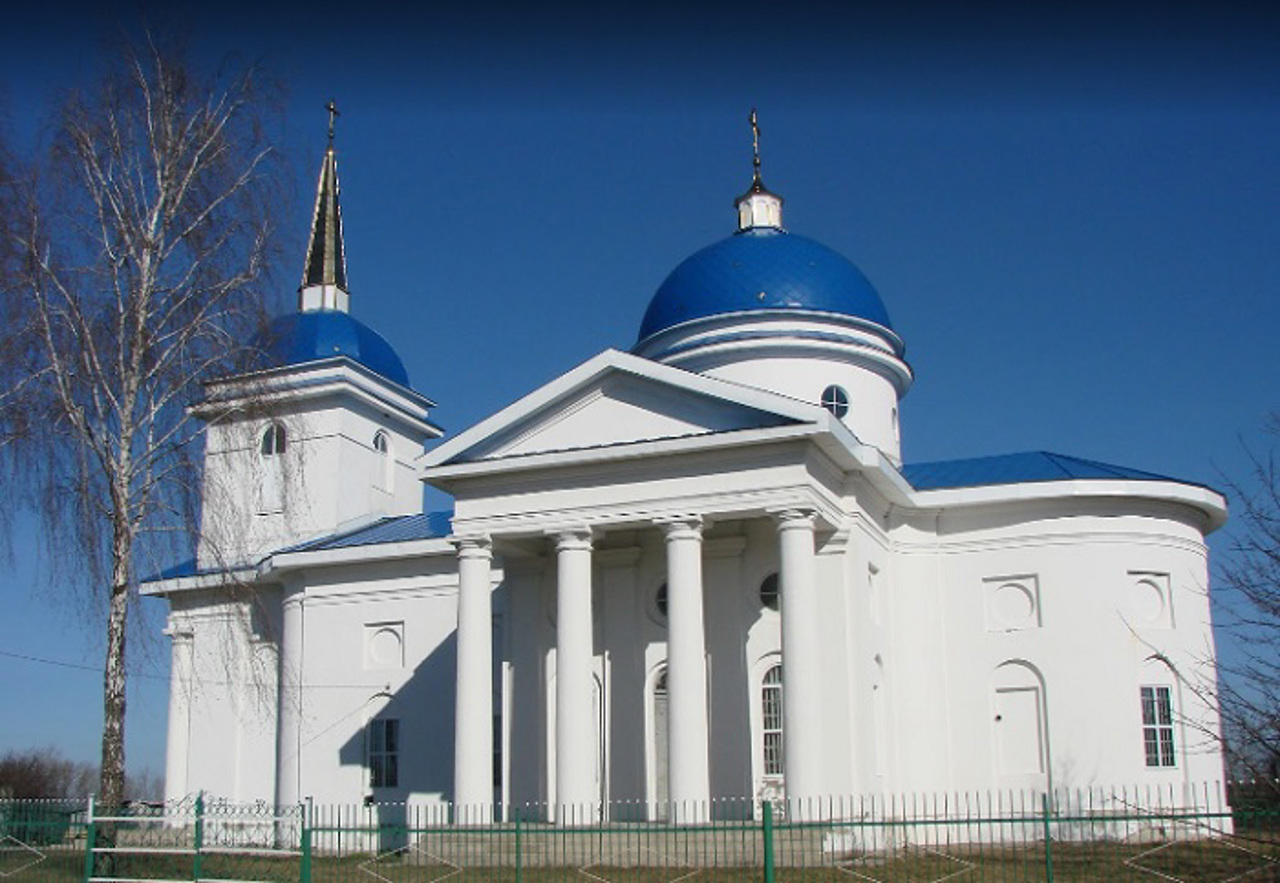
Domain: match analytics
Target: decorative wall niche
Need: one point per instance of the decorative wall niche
(1012, 602)
(383, 646)
(1019, 719)
(1148, 601)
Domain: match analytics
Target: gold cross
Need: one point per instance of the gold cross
(755, 140)
(332, 107)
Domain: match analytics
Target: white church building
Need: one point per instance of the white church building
(699, 569)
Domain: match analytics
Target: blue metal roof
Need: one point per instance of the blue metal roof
(181, 569)
(396, 529)
(762, 268)
(323, 334)
(1030, 466)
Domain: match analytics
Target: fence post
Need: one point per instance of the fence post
(197, 862)
(90, 831)
(515, 812)
(305, 843)
(767, 830)
(1048, 839)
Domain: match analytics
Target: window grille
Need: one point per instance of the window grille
(771, 706)
(384, 753)
(1157, 726)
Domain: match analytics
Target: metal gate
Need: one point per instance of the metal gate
(193, 840)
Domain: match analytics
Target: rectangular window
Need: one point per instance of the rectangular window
(497, 751)
(1157, 726)
(384, 753)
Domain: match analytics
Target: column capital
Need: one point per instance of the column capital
(794, 517)
(578, 538)
(179, 631)
(473, 545)
(681, 527)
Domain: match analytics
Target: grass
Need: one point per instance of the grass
(1252, 858)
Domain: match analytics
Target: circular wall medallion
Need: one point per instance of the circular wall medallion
(384, 648)
(1014, 606)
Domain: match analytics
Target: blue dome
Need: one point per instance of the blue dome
(324, 334)
(762, 269)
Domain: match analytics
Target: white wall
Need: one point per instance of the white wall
(331, 475)
(933, 627)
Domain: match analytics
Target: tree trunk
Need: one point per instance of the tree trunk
(113, 686)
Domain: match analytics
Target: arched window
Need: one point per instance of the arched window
(659, 737)
(271, 487)
(273, 440)
(771, 720)
(384, 474)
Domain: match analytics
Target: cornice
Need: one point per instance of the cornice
(714, 505)
(1059, 538)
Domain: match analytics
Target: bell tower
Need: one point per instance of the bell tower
(324, 436)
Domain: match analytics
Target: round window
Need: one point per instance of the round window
(836, 400)
(660, 600)
(769, 591)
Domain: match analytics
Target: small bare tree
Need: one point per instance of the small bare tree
(43, 772)
(1249, 685)
(135, 257)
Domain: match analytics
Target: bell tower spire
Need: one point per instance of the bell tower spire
(757, 207)
(324, 276)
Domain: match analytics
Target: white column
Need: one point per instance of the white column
(289, 727)
(688, 770)
(575, 729)
(473, 702)
(802, 674)
(178, 743)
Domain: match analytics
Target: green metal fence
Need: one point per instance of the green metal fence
(1147, 834)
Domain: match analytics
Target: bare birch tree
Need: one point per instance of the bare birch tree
(136, 252)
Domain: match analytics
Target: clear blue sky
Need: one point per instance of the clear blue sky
(1072, 214)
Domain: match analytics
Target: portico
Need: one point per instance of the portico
(574, 786)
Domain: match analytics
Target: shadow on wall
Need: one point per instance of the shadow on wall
(403, 741)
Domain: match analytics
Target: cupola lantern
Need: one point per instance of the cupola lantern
(758, 207)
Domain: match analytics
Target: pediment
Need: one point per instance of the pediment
(619, 399)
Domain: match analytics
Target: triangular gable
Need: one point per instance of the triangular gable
(616, 398)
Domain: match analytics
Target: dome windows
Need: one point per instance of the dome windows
(380, 442)
(835, 400)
